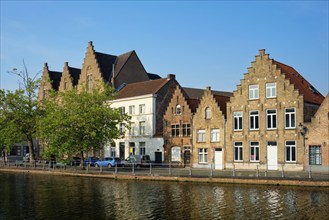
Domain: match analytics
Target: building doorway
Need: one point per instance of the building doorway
(219, 159)
(272, 155)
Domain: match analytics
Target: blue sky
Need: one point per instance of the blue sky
(204, 43)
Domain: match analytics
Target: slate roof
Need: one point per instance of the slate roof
(142, 88)
(75, 75)
(121, 61)
(193, 104)
(222, 102)
(105, 62)
(198, 93)
(55, 79)
(311, 95)
(153, 76)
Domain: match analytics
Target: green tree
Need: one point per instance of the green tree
(76, 122)
(19, 112)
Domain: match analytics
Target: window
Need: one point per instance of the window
(254, 151)
(142, 128)
(178, 110)
(113, 150)
(270, 90)
(186, 129)
(271, 118)
(237, 121)
(89, 82)
(142, 109)
(238, 151)
(131, 110)
(315, 155)
(142, 148)
(208, 113)
(122, 110)
(201, 135)
(290, 151)
(122, 128)
(214, 135)
(290, 118)
(132, 129)
(203, 155)
(253, 92)
(254, 120)
(175, 154)
(175, 130)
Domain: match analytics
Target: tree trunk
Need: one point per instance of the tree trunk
(31, 149)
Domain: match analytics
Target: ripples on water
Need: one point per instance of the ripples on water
(26, 196)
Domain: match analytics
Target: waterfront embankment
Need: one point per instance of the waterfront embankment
(260, 180)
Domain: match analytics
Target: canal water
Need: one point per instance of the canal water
(33, 196)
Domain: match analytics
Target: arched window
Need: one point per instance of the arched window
(178, 110)
(89, 82)
(208, 113)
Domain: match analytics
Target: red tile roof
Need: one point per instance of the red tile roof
(141, 88)
(311, 95)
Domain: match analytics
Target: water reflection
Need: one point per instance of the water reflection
(26, 196)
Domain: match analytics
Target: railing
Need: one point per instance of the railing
(166, 169)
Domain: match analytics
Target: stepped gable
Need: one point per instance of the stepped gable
(311, 95)
(75, 75)
(142, 88)
(198, 93)
(222, 102)
(105, 63)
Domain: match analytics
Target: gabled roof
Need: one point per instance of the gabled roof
(311, 95)
(222, 102)
(142, 88)
(121, 61)
(75, 74)
(198, 93)
(193, 104)
(55, 79)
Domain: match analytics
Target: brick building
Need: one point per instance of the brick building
(209, 131)
(317, 139)
(264, 114)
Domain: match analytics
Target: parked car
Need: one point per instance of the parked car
(108, 162)
(137, 160)
(75, 161)
(90, 161)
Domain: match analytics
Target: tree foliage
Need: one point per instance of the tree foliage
(19, 112)
(76, 122)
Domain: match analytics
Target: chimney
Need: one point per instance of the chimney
(208, 88)
(171, 76)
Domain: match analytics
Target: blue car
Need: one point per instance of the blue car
(108, 162)
(90, 161)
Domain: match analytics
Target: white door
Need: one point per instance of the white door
(219, 159)
(272, 155)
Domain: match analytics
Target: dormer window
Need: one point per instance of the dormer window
(178, 110)
(89, 82)
(208, 113)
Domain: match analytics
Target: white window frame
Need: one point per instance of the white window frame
(142, 128)
(271, 119)
(290, 118)
(253, 92)
(201, 135)
(271, 90)
(238, 151)
(254, 151)
(186, 129)
(208, 113)
(122, 128)
(175, 130)
(290, 151)
(132, 129)
(142, 109)
(254, 120)
(176, 154)
(203, 155)
(315, 155)
(142, 148)
(178, 110)
(215, 135)
(131, 110)
(238, 120)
